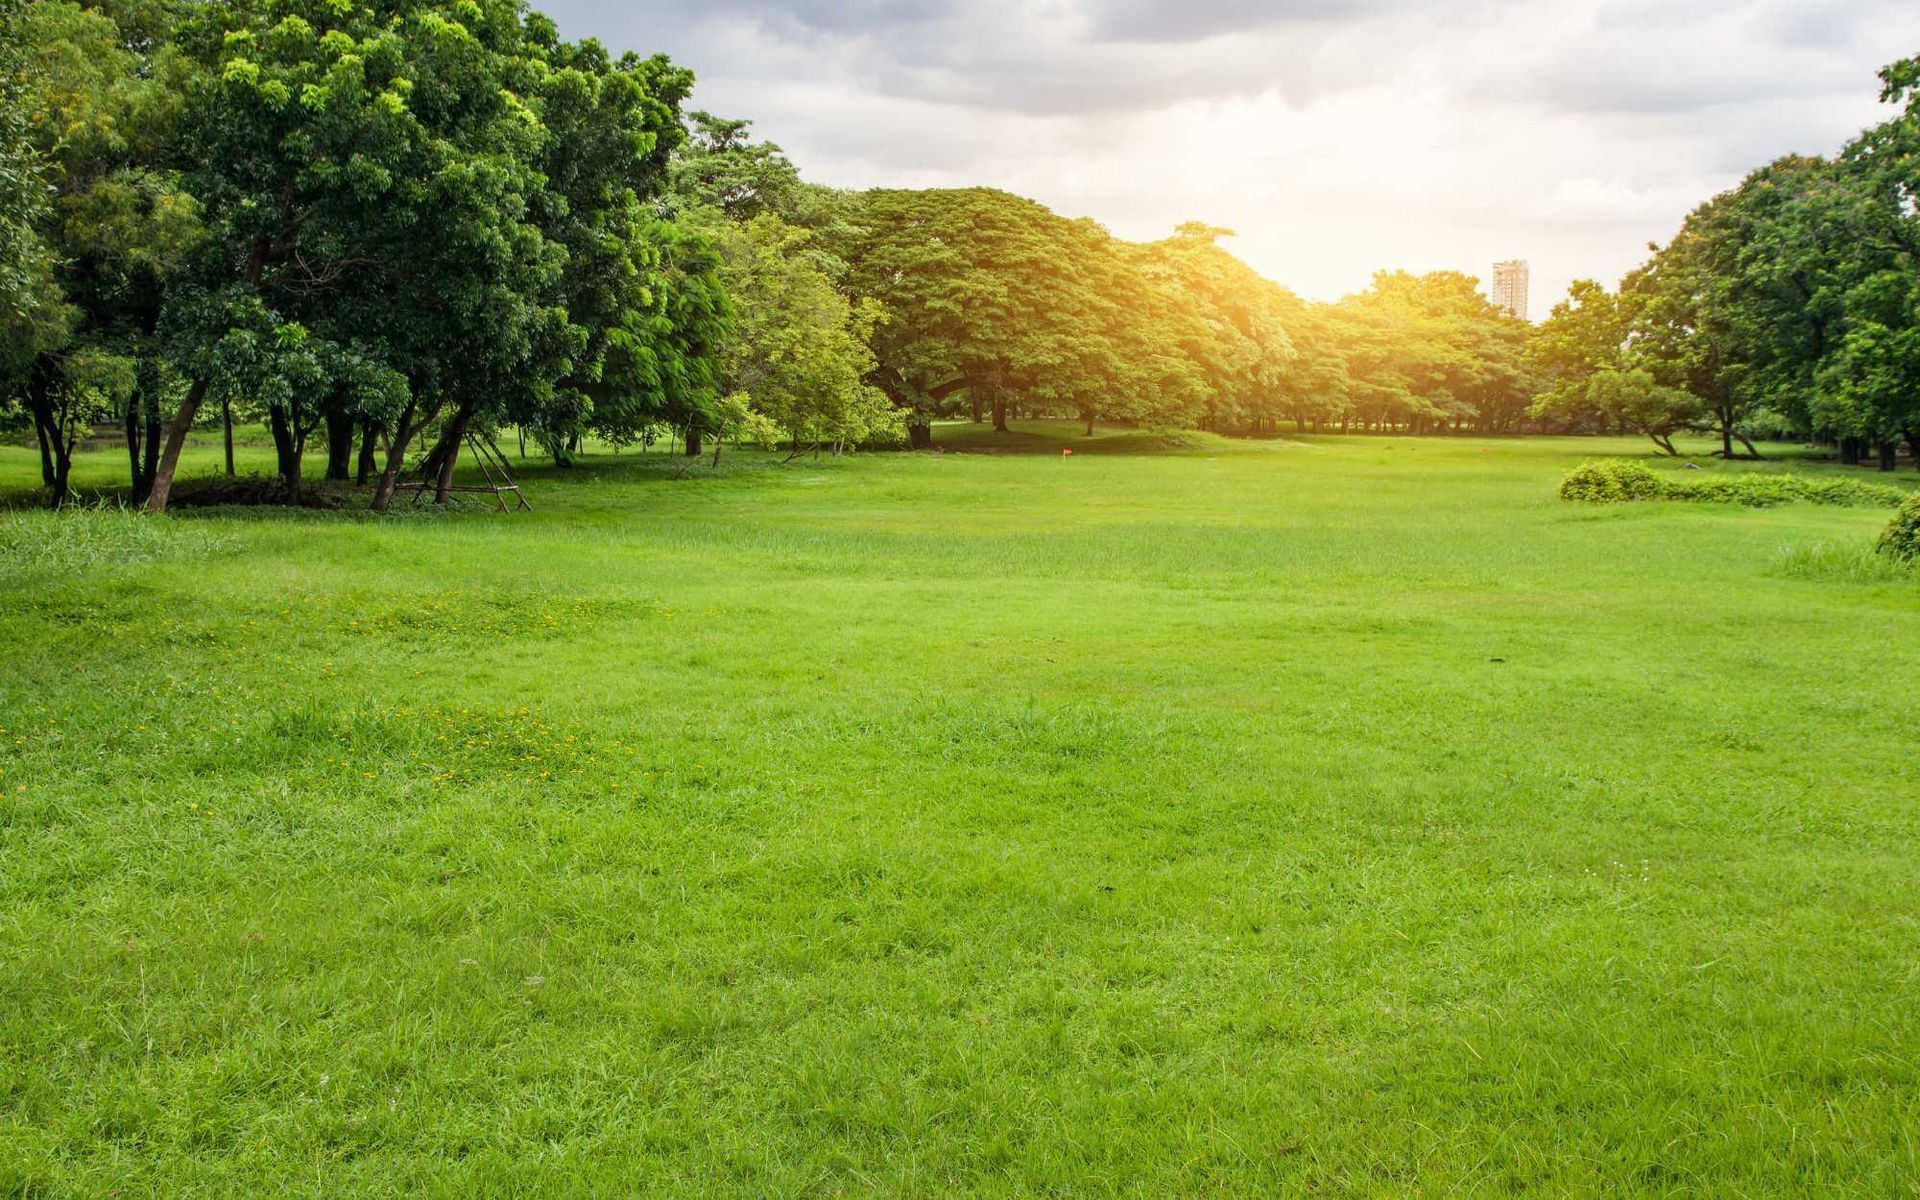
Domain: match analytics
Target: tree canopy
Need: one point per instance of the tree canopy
(1789, 304)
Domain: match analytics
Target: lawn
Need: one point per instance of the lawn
(1344, 816)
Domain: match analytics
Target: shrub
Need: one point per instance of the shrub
(1750, 491)
(1768, 491)
(1613, 482)
(1858, 493)
(1902, 537)
(1610, 482)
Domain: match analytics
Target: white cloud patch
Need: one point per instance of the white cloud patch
(1338, 136)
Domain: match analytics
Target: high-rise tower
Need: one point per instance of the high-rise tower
(1510, 286)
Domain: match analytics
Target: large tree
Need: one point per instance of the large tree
(1228, 321)
(1583, 362)
(374, 195)
(1739, 308)
(612, 128)
(799, 354)
(102, 103)
(1868, 381)
(1430, 353)
(23, 193)
(997, 297)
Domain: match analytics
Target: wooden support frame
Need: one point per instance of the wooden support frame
(493, 468)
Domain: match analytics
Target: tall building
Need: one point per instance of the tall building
(1510, 287)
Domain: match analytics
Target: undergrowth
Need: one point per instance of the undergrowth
(1615, 482)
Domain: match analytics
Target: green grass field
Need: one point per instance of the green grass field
(1323, 816)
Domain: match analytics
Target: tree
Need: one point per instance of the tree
(688, 338)
(1430, 353)
(1725, 310)
(1586, 333)
(99, 114)
(1229, 322)
(90, 385)
(370, 178)
(796, 358)
(1317, 388)
(613, 126)
(992, 295)
(721, 167)
(1869, 385)
(1783, 304)
(798, 353)
(43, 325)
(1866, 380)
(23, 193)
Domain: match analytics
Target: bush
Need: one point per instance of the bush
(1614, 482)
(1750, 491)
(1610, 482)
(1902, 537)
(1769, 491)
(1858, 493)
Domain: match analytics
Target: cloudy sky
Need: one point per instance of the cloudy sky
(1336, 136)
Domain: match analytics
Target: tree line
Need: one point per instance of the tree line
(1788, 306)
(382, 229)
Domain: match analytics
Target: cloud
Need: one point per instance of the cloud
(1688, 59)
(1157, 21)
(1338, 136)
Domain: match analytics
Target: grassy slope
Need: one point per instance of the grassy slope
(1347, 815)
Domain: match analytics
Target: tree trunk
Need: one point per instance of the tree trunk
(56, 448)
(286, 451)
(40, 403)
(1089, 424)
(226, 425)
(693, 441)
(999, 414)
(62, 466)
(446, 453)
(369, 435)
(919, 436)
(150, 442)
(339, 446)
(1753, 451)
(1889, 455)
(1726, 434)
(176, 438)
(973, 395)
(443, 486)
(436, 453)
(403, 434)
(133, 444)
(1849, 452)
(155, 430)
(1913, 446)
